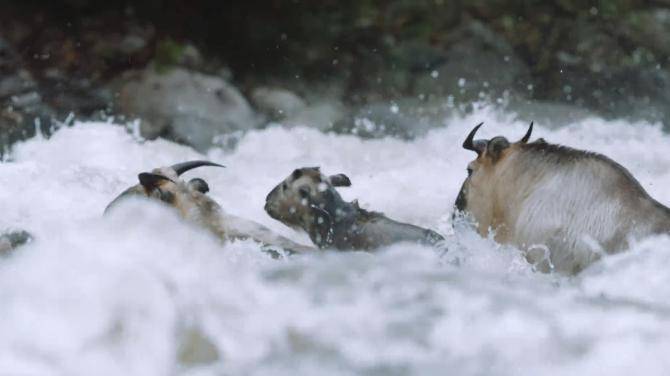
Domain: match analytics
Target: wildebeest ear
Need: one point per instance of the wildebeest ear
(340, 180)
(199, 185)
(150, 181)
(496, 146)
(297, 173)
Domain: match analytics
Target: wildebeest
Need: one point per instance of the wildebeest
(572, 203)
(307, 199)
(193, 204)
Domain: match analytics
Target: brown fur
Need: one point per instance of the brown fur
(307, 199)
(195, 206)
(601, 200)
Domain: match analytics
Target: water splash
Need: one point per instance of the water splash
(141, 293)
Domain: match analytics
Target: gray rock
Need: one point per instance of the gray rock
(417, 56)
(26, 100)
(74, 96)
(183, 105)
(277, 103)
(592, 48)
(10, 240)
(14, 79)
(598, 73)
(640, 93)
(323, 115)
(392, 76)
(548, 113)
(404, 118)
(19, 82)
(191, 57)
(132, 44)
(21, 123)
(477, 62)
(615, 92)
(128, 40)
(649, 28)
(20, 102)
(9, 59)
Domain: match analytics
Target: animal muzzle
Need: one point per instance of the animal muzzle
(269, 200)
(461, 200)
(270, 209)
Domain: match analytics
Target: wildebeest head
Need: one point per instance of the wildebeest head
(490, 153)
(164, 184)
(304, 194)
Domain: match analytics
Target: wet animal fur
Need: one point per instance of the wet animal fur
(307, 199)
(578, 204)
(193, 204)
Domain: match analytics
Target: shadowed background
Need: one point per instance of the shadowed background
(194, 71)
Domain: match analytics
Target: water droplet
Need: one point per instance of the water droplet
(394, 108)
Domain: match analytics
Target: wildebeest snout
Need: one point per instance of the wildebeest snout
(271, 206)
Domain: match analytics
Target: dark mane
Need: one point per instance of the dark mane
(562, 155)
(565, 153)
(365, 214)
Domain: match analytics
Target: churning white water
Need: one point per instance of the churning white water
(141, 293)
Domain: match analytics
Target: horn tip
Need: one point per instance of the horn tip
(467, 144)
(526, 137)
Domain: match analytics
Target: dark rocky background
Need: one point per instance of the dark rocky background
(203, 71)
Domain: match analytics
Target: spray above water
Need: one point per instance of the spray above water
(142, 292)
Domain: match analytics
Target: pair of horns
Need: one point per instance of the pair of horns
(478, 146)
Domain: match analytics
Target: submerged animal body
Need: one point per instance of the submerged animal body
(192, 203)
(307, 199)
(572, 203)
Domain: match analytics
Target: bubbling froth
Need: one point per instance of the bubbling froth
(142, 293)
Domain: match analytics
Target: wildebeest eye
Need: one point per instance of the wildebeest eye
(166, 196)
(469, 171)
(304, 192)
(284, 186)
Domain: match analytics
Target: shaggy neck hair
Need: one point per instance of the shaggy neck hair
(335, 219)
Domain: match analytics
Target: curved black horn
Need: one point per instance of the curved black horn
(180, 168)
(467, 144)
(526, 137)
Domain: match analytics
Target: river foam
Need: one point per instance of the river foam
(142, 293)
